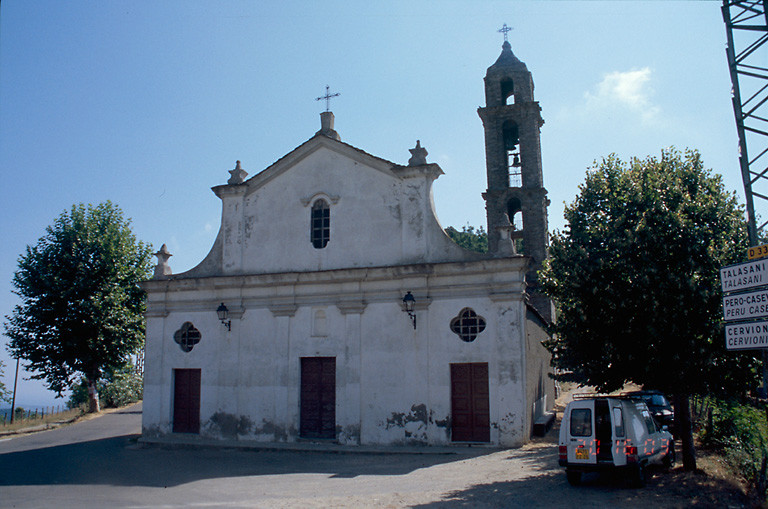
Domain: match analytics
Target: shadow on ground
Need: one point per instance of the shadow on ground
(121, 461)
(546, 486)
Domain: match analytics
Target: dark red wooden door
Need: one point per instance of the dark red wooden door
(318, 397)
(470, 410)
(186, 401)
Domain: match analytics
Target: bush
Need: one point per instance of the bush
(120, 388)
(741, 432)
(124, 388)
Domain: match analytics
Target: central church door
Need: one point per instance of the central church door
(318, 397)
(470, 410)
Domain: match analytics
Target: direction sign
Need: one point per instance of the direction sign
(746, 336)
(744, 306)
(744, 276)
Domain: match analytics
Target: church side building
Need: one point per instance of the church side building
(333, 306)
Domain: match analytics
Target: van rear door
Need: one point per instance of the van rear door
(619, 434)
(580, 434)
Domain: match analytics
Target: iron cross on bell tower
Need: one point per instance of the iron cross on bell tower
(515, 201)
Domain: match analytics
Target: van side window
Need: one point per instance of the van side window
(581, 422)
(618, 422)
(649, 422)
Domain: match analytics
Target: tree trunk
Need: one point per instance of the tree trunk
(685, 430)
(93, 397)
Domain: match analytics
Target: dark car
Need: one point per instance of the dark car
(659, 406)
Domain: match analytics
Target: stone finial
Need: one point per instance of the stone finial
(507, 236)
(238, 175)
(418, 155)
(327, 121)
(162, 269)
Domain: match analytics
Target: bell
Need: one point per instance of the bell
(516, 161)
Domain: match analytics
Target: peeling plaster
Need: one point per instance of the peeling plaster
(507, 425)
(280, 433)
(414, 192)
(248, 226)
(349, 434)
(443, 423)
(400, 420)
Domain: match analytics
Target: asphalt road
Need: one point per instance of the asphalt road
(98, 463)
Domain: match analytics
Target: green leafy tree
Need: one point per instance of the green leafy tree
(635, 275)
(81, 310)
(469, 238)
(118, 387)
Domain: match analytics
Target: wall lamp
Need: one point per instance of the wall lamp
(408, 303)
(222, 312)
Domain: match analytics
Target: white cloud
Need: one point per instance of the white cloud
(628, 90)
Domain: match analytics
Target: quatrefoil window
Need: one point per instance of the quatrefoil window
(467, 325)
(187, 337)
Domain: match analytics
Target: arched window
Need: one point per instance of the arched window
(507, 91)
(511, 144)
(320, 224)
(515, 213)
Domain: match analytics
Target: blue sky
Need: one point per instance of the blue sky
(149, 104)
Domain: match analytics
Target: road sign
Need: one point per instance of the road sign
(744, 306)
(744, 276)
(755, 252)
(746, 336)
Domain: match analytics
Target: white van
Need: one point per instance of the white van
(600, 433)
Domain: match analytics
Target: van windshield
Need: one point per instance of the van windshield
(581, 422)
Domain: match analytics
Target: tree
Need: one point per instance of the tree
(118, 387)
(82, 309)
(635, 275)
(4, 394)
(469, 238)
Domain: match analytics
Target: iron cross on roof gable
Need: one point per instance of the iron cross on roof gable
(327, 98)
(504, 30)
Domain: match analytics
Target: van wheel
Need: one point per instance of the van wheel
(638, 477)
(573, 476)
(669, 459)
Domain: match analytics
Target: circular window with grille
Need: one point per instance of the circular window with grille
(467, 325)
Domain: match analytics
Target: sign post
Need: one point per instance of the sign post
(745, 305)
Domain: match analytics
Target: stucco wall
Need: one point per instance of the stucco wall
(540, 386)
(392, 382)
(380, 214)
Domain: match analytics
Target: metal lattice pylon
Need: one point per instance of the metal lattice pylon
(746, 25)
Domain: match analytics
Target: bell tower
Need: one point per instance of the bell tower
(515, 201)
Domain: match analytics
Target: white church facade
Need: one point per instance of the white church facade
(333, 306)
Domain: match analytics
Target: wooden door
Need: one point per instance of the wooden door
(186, 401)
(318, 397)
(470, 410)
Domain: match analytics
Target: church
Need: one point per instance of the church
(334, 307)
